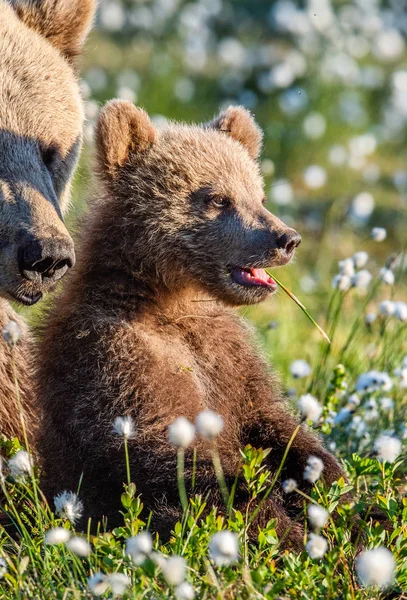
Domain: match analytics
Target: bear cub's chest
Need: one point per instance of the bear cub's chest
(205, 369)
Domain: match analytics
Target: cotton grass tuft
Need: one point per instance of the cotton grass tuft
(316, 545)
(68, 506)
(57, 535)
(209, 424)
(224, 548)
(181, 433)
(124, 426)
(375, 568)
(20, 465)
(313, 469)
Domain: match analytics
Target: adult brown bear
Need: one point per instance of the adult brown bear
(40, 137)
(146, 326)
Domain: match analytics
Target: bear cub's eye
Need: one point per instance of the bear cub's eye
(220, 202)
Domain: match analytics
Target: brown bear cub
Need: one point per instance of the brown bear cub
(146, 327)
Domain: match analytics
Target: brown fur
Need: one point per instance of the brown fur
(41, 119)
(64, 23)
(21, 355)
(146, 327)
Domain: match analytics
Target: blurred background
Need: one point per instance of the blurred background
(327, 81)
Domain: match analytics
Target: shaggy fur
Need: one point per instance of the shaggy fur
(146, 325)
(40, 136)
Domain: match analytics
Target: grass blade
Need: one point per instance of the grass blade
(300, 304)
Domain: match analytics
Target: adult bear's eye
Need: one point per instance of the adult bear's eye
(49, 155)
(220, 202)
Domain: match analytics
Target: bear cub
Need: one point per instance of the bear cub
(146, 327)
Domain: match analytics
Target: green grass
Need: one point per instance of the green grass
(264, 569)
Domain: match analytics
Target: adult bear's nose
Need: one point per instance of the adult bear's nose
(288, 241)
(46, 259)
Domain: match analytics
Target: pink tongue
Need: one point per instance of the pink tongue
(261, 276)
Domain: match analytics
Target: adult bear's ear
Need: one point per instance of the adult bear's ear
(65, 23)
(122, 130)
(237, 122)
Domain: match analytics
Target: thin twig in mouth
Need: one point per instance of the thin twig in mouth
(300, 304)
(196, 317)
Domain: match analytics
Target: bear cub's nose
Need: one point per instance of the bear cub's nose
(46, 259)
(288, 241)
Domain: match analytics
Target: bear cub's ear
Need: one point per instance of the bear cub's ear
(237, 122)
(122, 130)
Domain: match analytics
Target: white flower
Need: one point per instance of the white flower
(337, 155)
(388, 44)
(289, 485)
(68, 506)
(158, 559)
(341, 282)
(402, 375)
(313, 469)
(378, 234)
(387, 308)
(362, 279)
(401, 311)
(315, 177)
(79, 546)
(386, 403)
(3, 567)
(209, 424)
(343, 415)
(174, 570)
(346, 267)
(360, 259)
(119, 582)
(57, 535)
(281, 192)
(98, 584)
(357, 426)
(224, 548)
(387, 448)
(300, 368)
(370, 318)
(310, 407)
(20, 465)
(138, 547)
(316, 545)
(124, 426)
(11, 333)
(354, 400)
(317, 515)
(374, 380)
(376, 567)
(387, 276)
(181, 432)
(314, 125)
(184, 591)
(362, 206)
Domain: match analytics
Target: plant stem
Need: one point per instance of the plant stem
(181, 479)
(220, 475)
(270, 489)
(126, 453)
(300, 304)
